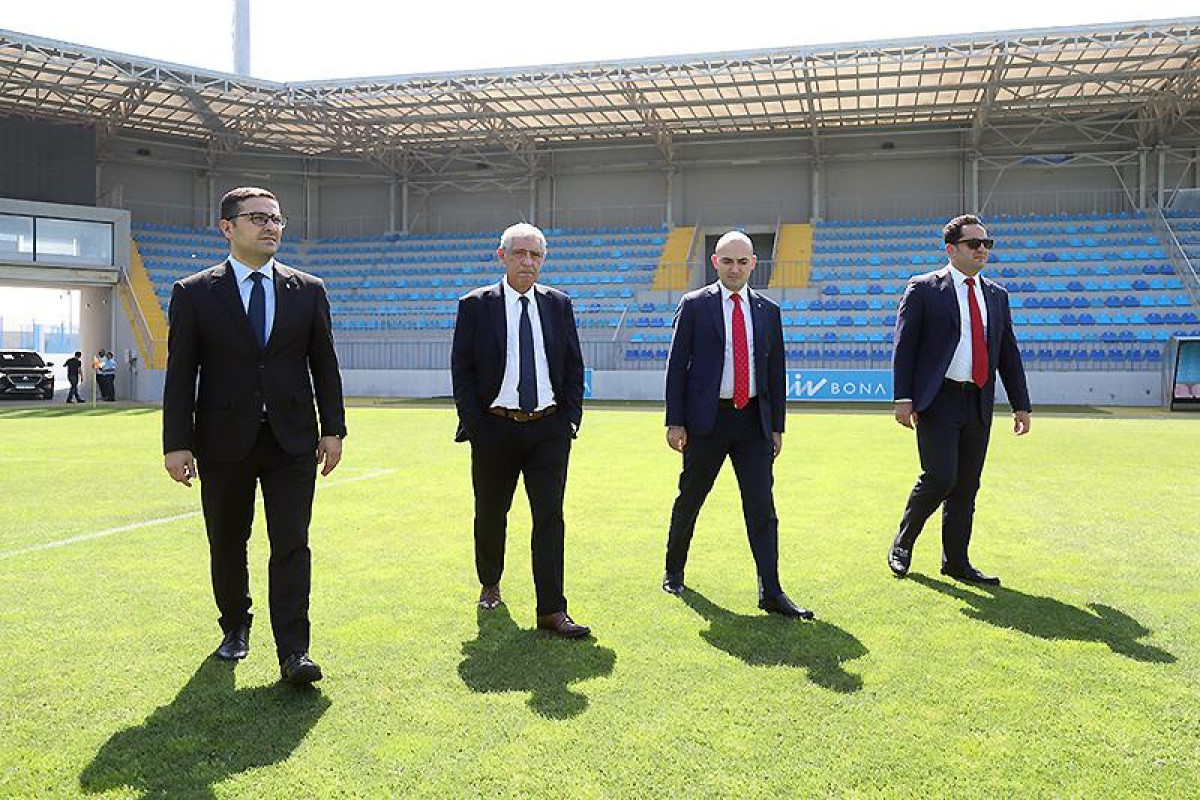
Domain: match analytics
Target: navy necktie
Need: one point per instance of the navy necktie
(258, 309)
(527, 380)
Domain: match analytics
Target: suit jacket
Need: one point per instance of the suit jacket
(480, 351)
(210, 334)
(697, 359)
(927, 332)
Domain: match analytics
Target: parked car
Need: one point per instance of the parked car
(24, 374)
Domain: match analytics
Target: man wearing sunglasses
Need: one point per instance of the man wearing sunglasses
(257, 335)
(954, 333)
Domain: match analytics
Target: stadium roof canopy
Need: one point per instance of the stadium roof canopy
(1090, 78)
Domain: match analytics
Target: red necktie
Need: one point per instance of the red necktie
(979, 358)
(741, 356)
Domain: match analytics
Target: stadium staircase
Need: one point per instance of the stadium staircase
(793, 257)
(673, 264)
(146, 316)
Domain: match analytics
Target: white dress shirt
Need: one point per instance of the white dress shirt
(960, 364)
(508, 397)
(727, 313)
(246, 285)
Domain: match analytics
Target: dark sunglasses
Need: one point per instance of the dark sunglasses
(974, 243)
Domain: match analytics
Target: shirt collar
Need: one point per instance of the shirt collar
(512, 296)
(960, 278)
(243, 272)
(744, 293)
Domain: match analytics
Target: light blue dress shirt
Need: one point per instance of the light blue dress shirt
(245, 285)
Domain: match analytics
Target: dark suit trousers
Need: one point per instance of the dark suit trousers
(502, 449)
(952, 438)
(227, 490)
(737, 434)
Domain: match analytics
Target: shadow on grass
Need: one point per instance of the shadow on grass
(771, 640)
(73, 410)
(505, 658)
(209, 732)
(1048, 618)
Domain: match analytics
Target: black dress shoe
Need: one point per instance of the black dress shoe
(969, 574)
(899, 560)
(236, 644)
(782, 604)
(299, 669)
(489, 596)
(672, 583)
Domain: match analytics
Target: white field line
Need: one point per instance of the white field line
(84, 537)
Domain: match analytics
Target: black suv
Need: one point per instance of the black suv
(24, 374)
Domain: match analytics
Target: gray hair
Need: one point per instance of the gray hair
(731, 237)
(521, 229)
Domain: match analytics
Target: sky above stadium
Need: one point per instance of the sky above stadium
(304, 40)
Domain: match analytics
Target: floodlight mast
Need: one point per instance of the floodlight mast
(241, 37)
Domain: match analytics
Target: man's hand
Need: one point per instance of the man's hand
(181, 466)
(329, 450)
(776, 444)
(1021, 422)
(905, 414)
(677, 437)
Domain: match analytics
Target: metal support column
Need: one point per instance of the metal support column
(1142, 179)
(404, 206)
(391, 223)
(669, 212)
(974, 198)
(1162, 175)
(210, 192)
(818, 168)
(533, 199)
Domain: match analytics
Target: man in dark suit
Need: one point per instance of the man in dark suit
(518, 386)
(726, 397)
(259, 335)
(954, 333)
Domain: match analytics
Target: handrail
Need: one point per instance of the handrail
(141, 320)
(1178, 254)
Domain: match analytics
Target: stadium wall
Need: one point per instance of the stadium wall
(1046, 388)
(755, 181)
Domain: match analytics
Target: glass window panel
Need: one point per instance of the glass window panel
(75, 242)
(16, 238)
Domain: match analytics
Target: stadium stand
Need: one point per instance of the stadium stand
(1093, 292)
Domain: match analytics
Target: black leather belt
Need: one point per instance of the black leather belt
(728, 403)
(960, 386)
(517, 415)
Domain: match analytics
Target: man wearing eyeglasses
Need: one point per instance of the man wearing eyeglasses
(258, 334)
(954, 333)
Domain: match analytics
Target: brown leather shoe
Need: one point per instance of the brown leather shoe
(489, 596)
(559, 623)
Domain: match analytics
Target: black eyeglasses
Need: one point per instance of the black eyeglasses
(975, 243)
(261, 219)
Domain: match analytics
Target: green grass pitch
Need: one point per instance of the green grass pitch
(1078, 678)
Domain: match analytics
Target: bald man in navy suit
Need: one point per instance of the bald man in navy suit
(726, 397)
(954, 335)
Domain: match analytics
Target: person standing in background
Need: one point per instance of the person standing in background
(74, 366)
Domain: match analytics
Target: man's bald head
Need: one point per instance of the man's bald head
(734, 236)
(734, 260)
